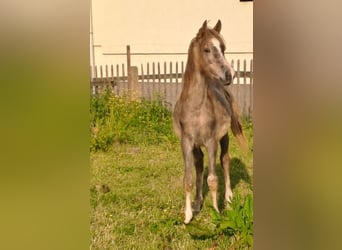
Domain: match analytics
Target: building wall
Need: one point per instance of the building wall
(166, 26)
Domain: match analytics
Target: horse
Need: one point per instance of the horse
(203, 113)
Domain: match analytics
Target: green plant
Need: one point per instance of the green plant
(237, 221)
(117, 119)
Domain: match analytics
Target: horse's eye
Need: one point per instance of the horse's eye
(206, 50)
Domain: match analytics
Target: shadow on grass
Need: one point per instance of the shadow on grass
(237, 172)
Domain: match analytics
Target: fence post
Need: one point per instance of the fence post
(133, 72)
(129, 80)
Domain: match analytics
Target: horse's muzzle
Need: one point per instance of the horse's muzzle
(228, 78)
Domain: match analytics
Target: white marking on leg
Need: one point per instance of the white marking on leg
(214, 198)
(212, 183)
(188, 209)
(229, 194)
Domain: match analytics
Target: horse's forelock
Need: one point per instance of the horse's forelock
(204, 34)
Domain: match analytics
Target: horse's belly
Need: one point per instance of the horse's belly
(204, 129)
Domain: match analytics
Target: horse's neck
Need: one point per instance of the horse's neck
(199, 89)
(195, 90)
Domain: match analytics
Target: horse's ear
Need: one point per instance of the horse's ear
(202, 31)
(204, 25)
(218, 26)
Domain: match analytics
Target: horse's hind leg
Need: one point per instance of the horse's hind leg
(198, 156)
(212, 177)
(187, 149)
(224, 157)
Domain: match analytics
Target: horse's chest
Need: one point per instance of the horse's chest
(205, 124)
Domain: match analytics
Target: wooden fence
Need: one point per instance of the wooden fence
(164, 81)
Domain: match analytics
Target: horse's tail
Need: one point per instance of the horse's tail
(235, 123)
(175, 120)
(236, 127)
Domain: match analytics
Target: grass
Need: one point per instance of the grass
(137, 197)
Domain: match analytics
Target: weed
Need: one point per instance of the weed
(237, 222)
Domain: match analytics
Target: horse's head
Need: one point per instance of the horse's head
(208, 51)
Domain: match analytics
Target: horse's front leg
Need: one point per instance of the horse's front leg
(198, 156)
(224, 157)
(212, 179)
(188, 157)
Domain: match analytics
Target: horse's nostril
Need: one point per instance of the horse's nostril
(228, 76)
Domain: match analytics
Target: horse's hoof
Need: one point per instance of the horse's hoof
(188, 217)
(229, 195)
(186, 221)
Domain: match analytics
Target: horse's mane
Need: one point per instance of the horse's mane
(190, 65)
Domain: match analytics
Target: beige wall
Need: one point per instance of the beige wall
(166, 26)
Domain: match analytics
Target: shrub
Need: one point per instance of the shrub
(117, 119)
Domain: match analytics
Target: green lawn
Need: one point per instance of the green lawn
(137, 198)
(136, 186)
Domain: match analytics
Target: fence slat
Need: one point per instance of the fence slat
(176, 78)
(112, 76)
(125, 87)
(153, 78)
(165, 84)
(171, 83)
(237, 95)
(148, 81)
(142, 81)
(164, 72)
(238, 71)
(118, 79)
(159, 78)
(244, 71)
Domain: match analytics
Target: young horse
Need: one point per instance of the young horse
(203, 114)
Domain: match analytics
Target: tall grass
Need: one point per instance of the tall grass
(117, 119)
